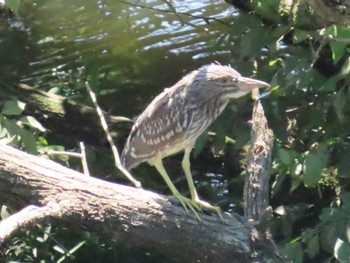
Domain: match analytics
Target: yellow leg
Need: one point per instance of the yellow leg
(186, 202)
(186, 166)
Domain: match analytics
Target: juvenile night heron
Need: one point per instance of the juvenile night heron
(176, 117)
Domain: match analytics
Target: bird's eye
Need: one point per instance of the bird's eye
(224, 80)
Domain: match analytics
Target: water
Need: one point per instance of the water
(128, 53)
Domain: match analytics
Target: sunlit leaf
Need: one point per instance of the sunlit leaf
(43, 141)
(313, 166)
(229, 140)
(32, 122)
(55, 90)
(338, 50)
(76, 247)
(13, 5)
(59, 249)
(342, 251)
(13, 107)
(345, 69)
(62, 259)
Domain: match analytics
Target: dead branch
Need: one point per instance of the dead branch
(141, 218)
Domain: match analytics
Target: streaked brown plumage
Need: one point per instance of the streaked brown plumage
(176, 117)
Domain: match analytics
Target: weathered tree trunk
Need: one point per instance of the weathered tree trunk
(256, 187)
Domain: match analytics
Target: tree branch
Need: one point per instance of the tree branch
(25, 218)
(256, 187)
(125, 214)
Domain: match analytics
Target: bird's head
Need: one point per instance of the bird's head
(226, 81)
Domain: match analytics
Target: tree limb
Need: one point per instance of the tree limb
(141, 218)
(256, 187)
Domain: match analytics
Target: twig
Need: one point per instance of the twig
(206, 19)
(23, 219)
(83, 159)
(117, 161)
(81, 155)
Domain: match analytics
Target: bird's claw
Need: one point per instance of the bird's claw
(196, 206)
(188, 203)
(210, 207)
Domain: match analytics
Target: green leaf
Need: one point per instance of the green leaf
(330, 84)
(342, 251)
(345, 69)
(13, 107)
(293, 252)
(338, 50)
(13, 5)
(339, 104)
(345, 198)
(328, 235)
(284, 156)
(200, 144)
(55, 90)
(313, 246)
(229, 140)
(299, 35)
(313, 166)
(28, 141)
(295, 183)
(33, 123)
(43, 141)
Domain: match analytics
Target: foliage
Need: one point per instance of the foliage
(18, 129)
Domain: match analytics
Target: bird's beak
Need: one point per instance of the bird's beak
(250, 84)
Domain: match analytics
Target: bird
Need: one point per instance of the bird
(173, 121)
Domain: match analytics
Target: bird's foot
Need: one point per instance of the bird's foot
(189, 204)
(206, 205)
(196, 205)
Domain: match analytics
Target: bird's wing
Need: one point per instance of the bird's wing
(159, 129)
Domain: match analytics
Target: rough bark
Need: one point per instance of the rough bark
(141, 218)
(256, 188)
